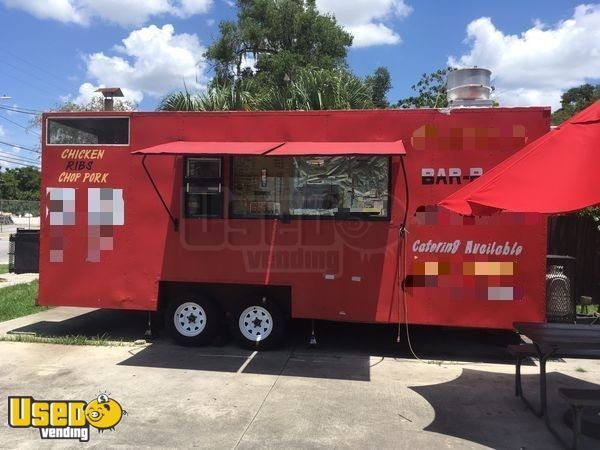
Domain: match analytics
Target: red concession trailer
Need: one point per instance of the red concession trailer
(252, 218)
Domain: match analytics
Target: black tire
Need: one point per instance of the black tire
(258, 309)
(200, 325)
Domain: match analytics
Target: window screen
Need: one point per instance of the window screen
(340, 186)
(88, 131)
(204, 187)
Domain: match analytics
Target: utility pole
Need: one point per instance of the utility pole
(2, 97)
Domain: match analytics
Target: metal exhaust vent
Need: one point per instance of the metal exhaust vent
(469, 87)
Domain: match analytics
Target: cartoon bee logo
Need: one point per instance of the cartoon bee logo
(104, 413)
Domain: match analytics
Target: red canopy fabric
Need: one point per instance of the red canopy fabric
(209, 148)
(339, 148)
(274, 148)
(554, 174)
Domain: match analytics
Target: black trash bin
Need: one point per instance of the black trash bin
(24, 251)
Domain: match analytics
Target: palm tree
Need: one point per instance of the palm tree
(310, 90)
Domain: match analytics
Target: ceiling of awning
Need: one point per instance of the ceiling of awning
(338, 148)
(209, 148)
(294, 148)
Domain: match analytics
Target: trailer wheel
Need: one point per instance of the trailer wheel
(192, 320)
(259, 325)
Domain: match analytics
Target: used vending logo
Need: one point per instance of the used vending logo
(65, 419)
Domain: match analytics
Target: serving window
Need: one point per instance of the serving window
(315, 186)
(87, 131)
(203, 187)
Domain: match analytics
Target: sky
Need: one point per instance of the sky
(57, 50)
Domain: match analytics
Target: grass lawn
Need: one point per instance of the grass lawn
(100, 340)
(3, 268)
(591, 309)
(18, 301)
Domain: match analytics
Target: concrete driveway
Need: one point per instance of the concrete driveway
(4, 251)
(357, 389)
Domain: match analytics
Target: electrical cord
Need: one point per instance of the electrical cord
(402, 254)
(402, 246)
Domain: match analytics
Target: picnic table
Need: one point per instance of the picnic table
(554, 339)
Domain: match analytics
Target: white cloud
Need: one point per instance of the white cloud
(248, 62)
(124, 13)
(536, 66)
(2, 132)
(191, 7)
(151, 61)
(367, 20)
(87, 91)
(371, 34)
(61, 10)
(359, 12)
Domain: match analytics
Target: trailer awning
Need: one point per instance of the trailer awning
(295, 148)
(209, 148)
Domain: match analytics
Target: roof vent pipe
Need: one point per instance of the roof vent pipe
(109, 94)
(469, 87)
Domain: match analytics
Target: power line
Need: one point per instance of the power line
(38, 67)
(19, 160)
(12, 162)
(13, 156)
(21, 111)
(37, 152)
(21, 147)
(19, 125)
(32, 75)
(29, 84)
(19, 163)
(22, 108)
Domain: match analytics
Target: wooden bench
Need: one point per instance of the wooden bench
(579, 399)
(522, 351)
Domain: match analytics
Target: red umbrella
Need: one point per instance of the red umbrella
(559, 172)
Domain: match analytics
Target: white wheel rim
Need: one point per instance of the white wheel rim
(256, 323)
(189, 319)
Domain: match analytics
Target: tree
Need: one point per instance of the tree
(575, 100)
(319, 90)
(22, 183)
(380, 83)
(281, 37)
(298, 61)
(21, 187)
(96, 103)
(431, 90)
(315, 89)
